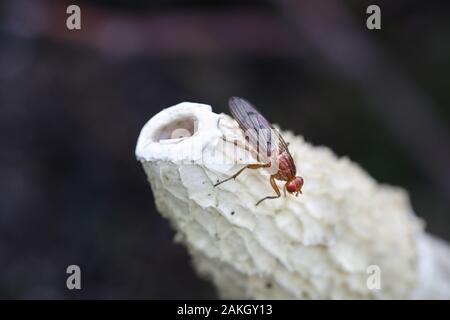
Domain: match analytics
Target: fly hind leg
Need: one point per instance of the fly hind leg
(273, 183)
(249, 166)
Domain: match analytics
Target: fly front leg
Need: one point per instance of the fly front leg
(249, 166)
(273, 183)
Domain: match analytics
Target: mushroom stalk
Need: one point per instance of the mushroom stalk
(345, 237)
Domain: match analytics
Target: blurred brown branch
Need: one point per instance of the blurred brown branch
(176, 33)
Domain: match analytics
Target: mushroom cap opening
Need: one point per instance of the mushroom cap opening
(178, 129)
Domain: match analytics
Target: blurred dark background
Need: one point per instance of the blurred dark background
(72, 104)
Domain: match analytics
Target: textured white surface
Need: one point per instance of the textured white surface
(315, 246)
(433, 269)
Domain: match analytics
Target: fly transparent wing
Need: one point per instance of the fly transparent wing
(259, 133)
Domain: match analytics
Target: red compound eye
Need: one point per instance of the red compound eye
(291, 186)
(295, 185)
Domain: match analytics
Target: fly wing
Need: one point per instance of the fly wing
(259, 133)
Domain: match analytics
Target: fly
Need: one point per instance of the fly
(269, 146)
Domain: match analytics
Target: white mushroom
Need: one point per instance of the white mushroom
(346, 236)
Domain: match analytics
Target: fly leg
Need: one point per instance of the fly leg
(237, 143)
(275, 187)
(249, 166)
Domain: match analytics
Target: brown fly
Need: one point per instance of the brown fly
(269, 145)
